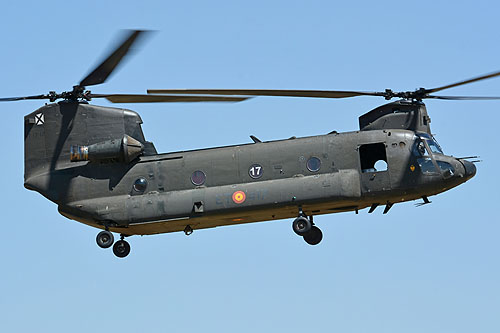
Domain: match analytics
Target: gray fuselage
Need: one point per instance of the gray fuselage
(262, 181)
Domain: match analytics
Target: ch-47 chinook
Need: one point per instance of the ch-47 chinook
(96, 165)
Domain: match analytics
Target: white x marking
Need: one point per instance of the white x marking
(39, 119)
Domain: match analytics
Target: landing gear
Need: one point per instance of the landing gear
(105, 239)
(304, 226)
(314, 236)
(121, 249)
(301, 225)
(188, 230)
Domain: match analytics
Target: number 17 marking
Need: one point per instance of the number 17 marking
(255, 171)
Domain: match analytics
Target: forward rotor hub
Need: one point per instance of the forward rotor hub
(417, 95)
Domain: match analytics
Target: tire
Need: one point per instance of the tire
(105, 239)
(314, 236)
(301, 225)
(121, 249)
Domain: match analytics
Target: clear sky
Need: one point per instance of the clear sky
(428, 269)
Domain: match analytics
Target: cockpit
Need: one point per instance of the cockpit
(430, 156)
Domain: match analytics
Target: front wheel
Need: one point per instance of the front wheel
(314, 236)
(105, 239)
(301, 225)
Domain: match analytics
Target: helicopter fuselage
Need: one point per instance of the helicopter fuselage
(261, 181)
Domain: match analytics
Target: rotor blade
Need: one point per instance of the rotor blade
(11, 99)
(126, 98)
(483, 77)
(101, 72)
(267, 92)
(465, 98)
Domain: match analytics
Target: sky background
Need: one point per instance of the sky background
(428, 269)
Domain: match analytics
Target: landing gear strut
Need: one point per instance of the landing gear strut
(188, 230)
(304, 226)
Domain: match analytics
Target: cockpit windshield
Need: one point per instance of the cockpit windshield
(434, 146)
(425, 149)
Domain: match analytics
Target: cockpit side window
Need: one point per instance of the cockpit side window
(419, 148)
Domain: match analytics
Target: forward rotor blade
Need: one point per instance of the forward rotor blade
(126, 98)
(11, 99)
(267, 92)
(483, 77)
(101, 72)
(465, 98)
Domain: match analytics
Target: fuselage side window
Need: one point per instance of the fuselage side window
(313, 164)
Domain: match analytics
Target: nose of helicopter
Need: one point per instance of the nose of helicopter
(470, 169)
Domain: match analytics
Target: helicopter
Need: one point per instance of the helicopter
(96, 165)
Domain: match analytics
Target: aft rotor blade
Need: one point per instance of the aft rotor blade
(126, 98)
(479, 78)
(465, 98)
(267, 92)
(101, 72)
(11, 99)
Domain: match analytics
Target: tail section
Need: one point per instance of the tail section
(50, 131)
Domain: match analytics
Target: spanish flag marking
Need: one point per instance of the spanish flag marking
(239, 197)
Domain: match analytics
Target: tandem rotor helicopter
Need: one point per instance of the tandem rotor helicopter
(96, 165)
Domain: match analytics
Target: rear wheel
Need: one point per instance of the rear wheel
(314, 236)
(121, 249)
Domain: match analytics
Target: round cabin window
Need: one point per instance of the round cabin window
(198, 178)
(140, 185)
(313, 164)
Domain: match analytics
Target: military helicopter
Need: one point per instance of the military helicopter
(96, 165)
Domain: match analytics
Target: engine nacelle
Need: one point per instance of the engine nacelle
(122, 150)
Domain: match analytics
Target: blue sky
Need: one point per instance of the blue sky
(428, 269)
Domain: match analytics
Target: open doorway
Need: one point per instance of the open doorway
(373, 157)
